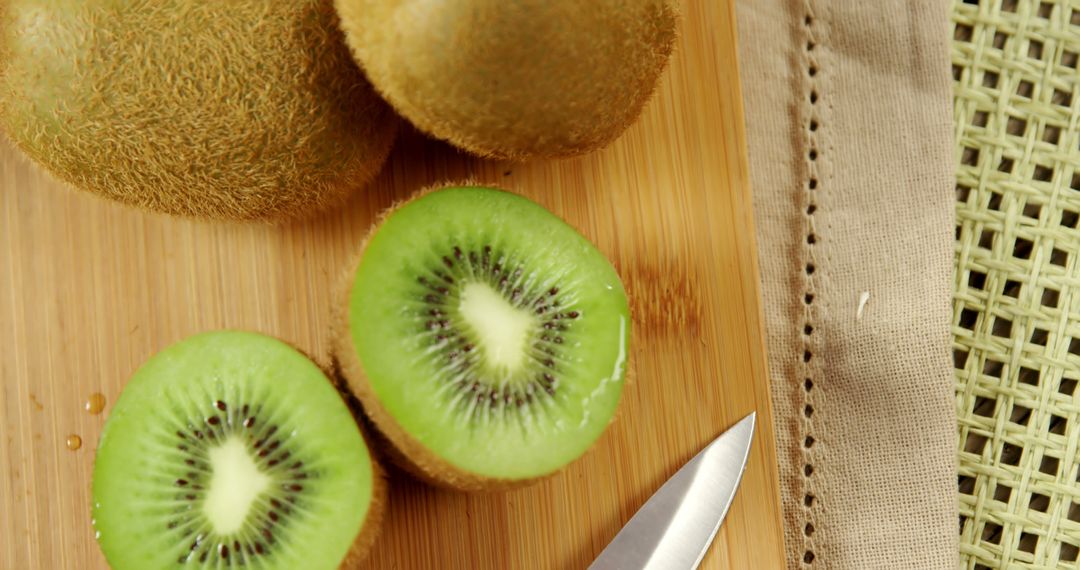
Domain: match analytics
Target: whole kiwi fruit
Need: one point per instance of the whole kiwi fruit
(247, 109)
(514, 79)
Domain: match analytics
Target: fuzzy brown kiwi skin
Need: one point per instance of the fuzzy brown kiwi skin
(403, 449)
(238, 125)
(515, 88)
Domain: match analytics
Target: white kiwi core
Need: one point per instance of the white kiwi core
(235, 482)
(501, 328)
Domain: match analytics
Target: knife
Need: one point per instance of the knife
(674, 528)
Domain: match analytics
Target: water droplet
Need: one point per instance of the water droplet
(74, 442)
(95, 403)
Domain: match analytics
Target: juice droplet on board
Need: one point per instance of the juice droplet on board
(95, 403)
(74, 442)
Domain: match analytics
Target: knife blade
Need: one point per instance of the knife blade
(674, 528)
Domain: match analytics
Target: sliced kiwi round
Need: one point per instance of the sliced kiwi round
(514, 79)
(243, 110)
(232, 449)
(486, 338)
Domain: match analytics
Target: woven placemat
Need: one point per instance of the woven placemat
(1016, 321)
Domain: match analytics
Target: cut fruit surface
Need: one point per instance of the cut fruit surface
(232, 449)
(486, 337)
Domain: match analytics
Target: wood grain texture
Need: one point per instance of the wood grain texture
(89, 290)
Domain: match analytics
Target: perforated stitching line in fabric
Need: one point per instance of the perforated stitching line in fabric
(812, 181)
(1016, 303)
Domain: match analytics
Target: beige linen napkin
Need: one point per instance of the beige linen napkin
(849, 119)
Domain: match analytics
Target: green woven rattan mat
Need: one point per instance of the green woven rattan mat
(1016, 319)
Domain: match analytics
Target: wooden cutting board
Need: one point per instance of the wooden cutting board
(89, 290)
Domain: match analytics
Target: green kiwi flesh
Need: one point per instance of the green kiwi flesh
(486, 337)
(514, 79)
(232, 449)
(243, 110)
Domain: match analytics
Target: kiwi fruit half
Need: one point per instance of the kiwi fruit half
(242, 110)
(514, 79)
(232, 449)
(485, 337)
